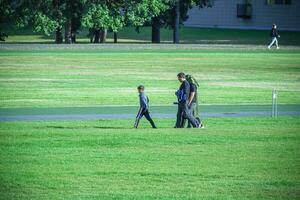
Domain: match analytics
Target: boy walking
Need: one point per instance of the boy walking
(274, 35)
(144, 108)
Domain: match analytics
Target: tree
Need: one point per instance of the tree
(175, 14)
(99, 17)
(5, 10)
(148, 11)
(48, 16)
(16, 13)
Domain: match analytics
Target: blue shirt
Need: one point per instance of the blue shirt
(144, 101)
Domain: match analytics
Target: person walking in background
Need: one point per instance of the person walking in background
(144, 108)
(183, 95)
(274, 35)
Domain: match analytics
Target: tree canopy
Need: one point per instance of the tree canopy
(99, 16)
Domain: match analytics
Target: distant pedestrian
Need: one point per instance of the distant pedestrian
(144, 108)
(274, 35)
(183, 109)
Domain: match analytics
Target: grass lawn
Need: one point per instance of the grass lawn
(247, 158)
(94, 77)
(233, 158)
(187, 35)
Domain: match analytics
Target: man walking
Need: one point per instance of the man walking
(144, 108)
(183, 96)
(274, 35)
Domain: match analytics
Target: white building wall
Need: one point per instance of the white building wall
(224, 15)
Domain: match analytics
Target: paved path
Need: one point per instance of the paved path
(132, 116)
(129, 112)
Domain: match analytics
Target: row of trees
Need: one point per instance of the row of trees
(99, 16)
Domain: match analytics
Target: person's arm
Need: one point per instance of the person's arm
(143, 101)
(276, 32)
(192, 95)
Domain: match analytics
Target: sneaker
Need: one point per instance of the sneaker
(269, 47)
(201, 126)
(277, 48)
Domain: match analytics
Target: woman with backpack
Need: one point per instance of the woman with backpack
(193, 100)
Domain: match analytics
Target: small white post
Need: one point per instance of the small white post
(274, 103)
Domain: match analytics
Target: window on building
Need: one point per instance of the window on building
(278, 2)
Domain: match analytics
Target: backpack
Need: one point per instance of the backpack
(181, 96)
(191, 80)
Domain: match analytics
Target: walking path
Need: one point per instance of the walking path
(129, 112)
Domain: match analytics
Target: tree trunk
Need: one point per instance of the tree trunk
(103, 35)
(176, 22)
(115, 37)
(58, 32)
(58, 36)
(155, 30)
(97, 36)
(91, 34)
(73, 37)
(68, 32)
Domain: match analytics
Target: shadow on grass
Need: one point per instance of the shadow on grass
(83, 127)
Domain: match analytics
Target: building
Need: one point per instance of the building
(248, 14)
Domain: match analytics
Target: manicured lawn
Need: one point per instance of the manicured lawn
(187, 35)
(91, 77)
(248, 158)
(233, 158)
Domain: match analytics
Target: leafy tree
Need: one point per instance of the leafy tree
(114, 15)
(5, 10)
(14, 13)
(100, 17)
(175, 15)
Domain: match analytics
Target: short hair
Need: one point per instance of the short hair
(181, 75)
(140, 87)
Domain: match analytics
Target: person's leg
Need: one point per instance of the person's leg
(138, 118)
(272, 42)
(189, 117)
(148, 117)
(192, 112)
(276, 43)
(183, 122)
(179, 117)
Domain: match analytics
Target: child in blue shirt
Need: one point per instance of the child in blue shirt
(144, 108)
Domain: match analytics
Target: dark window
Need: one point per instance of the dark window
(244, 11)
(279, 2)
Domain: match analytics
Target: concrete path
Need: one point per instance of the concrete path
(132, 116)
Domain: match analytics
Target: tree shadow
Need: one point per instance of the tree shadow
(97, 127)
(109, 127)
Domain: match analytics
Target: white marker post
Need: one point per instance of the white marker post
(274, 103)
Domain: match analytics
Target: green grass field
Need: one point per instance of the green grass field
(187, 35)
(94, 77)
(247, 158)
(233, 158)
